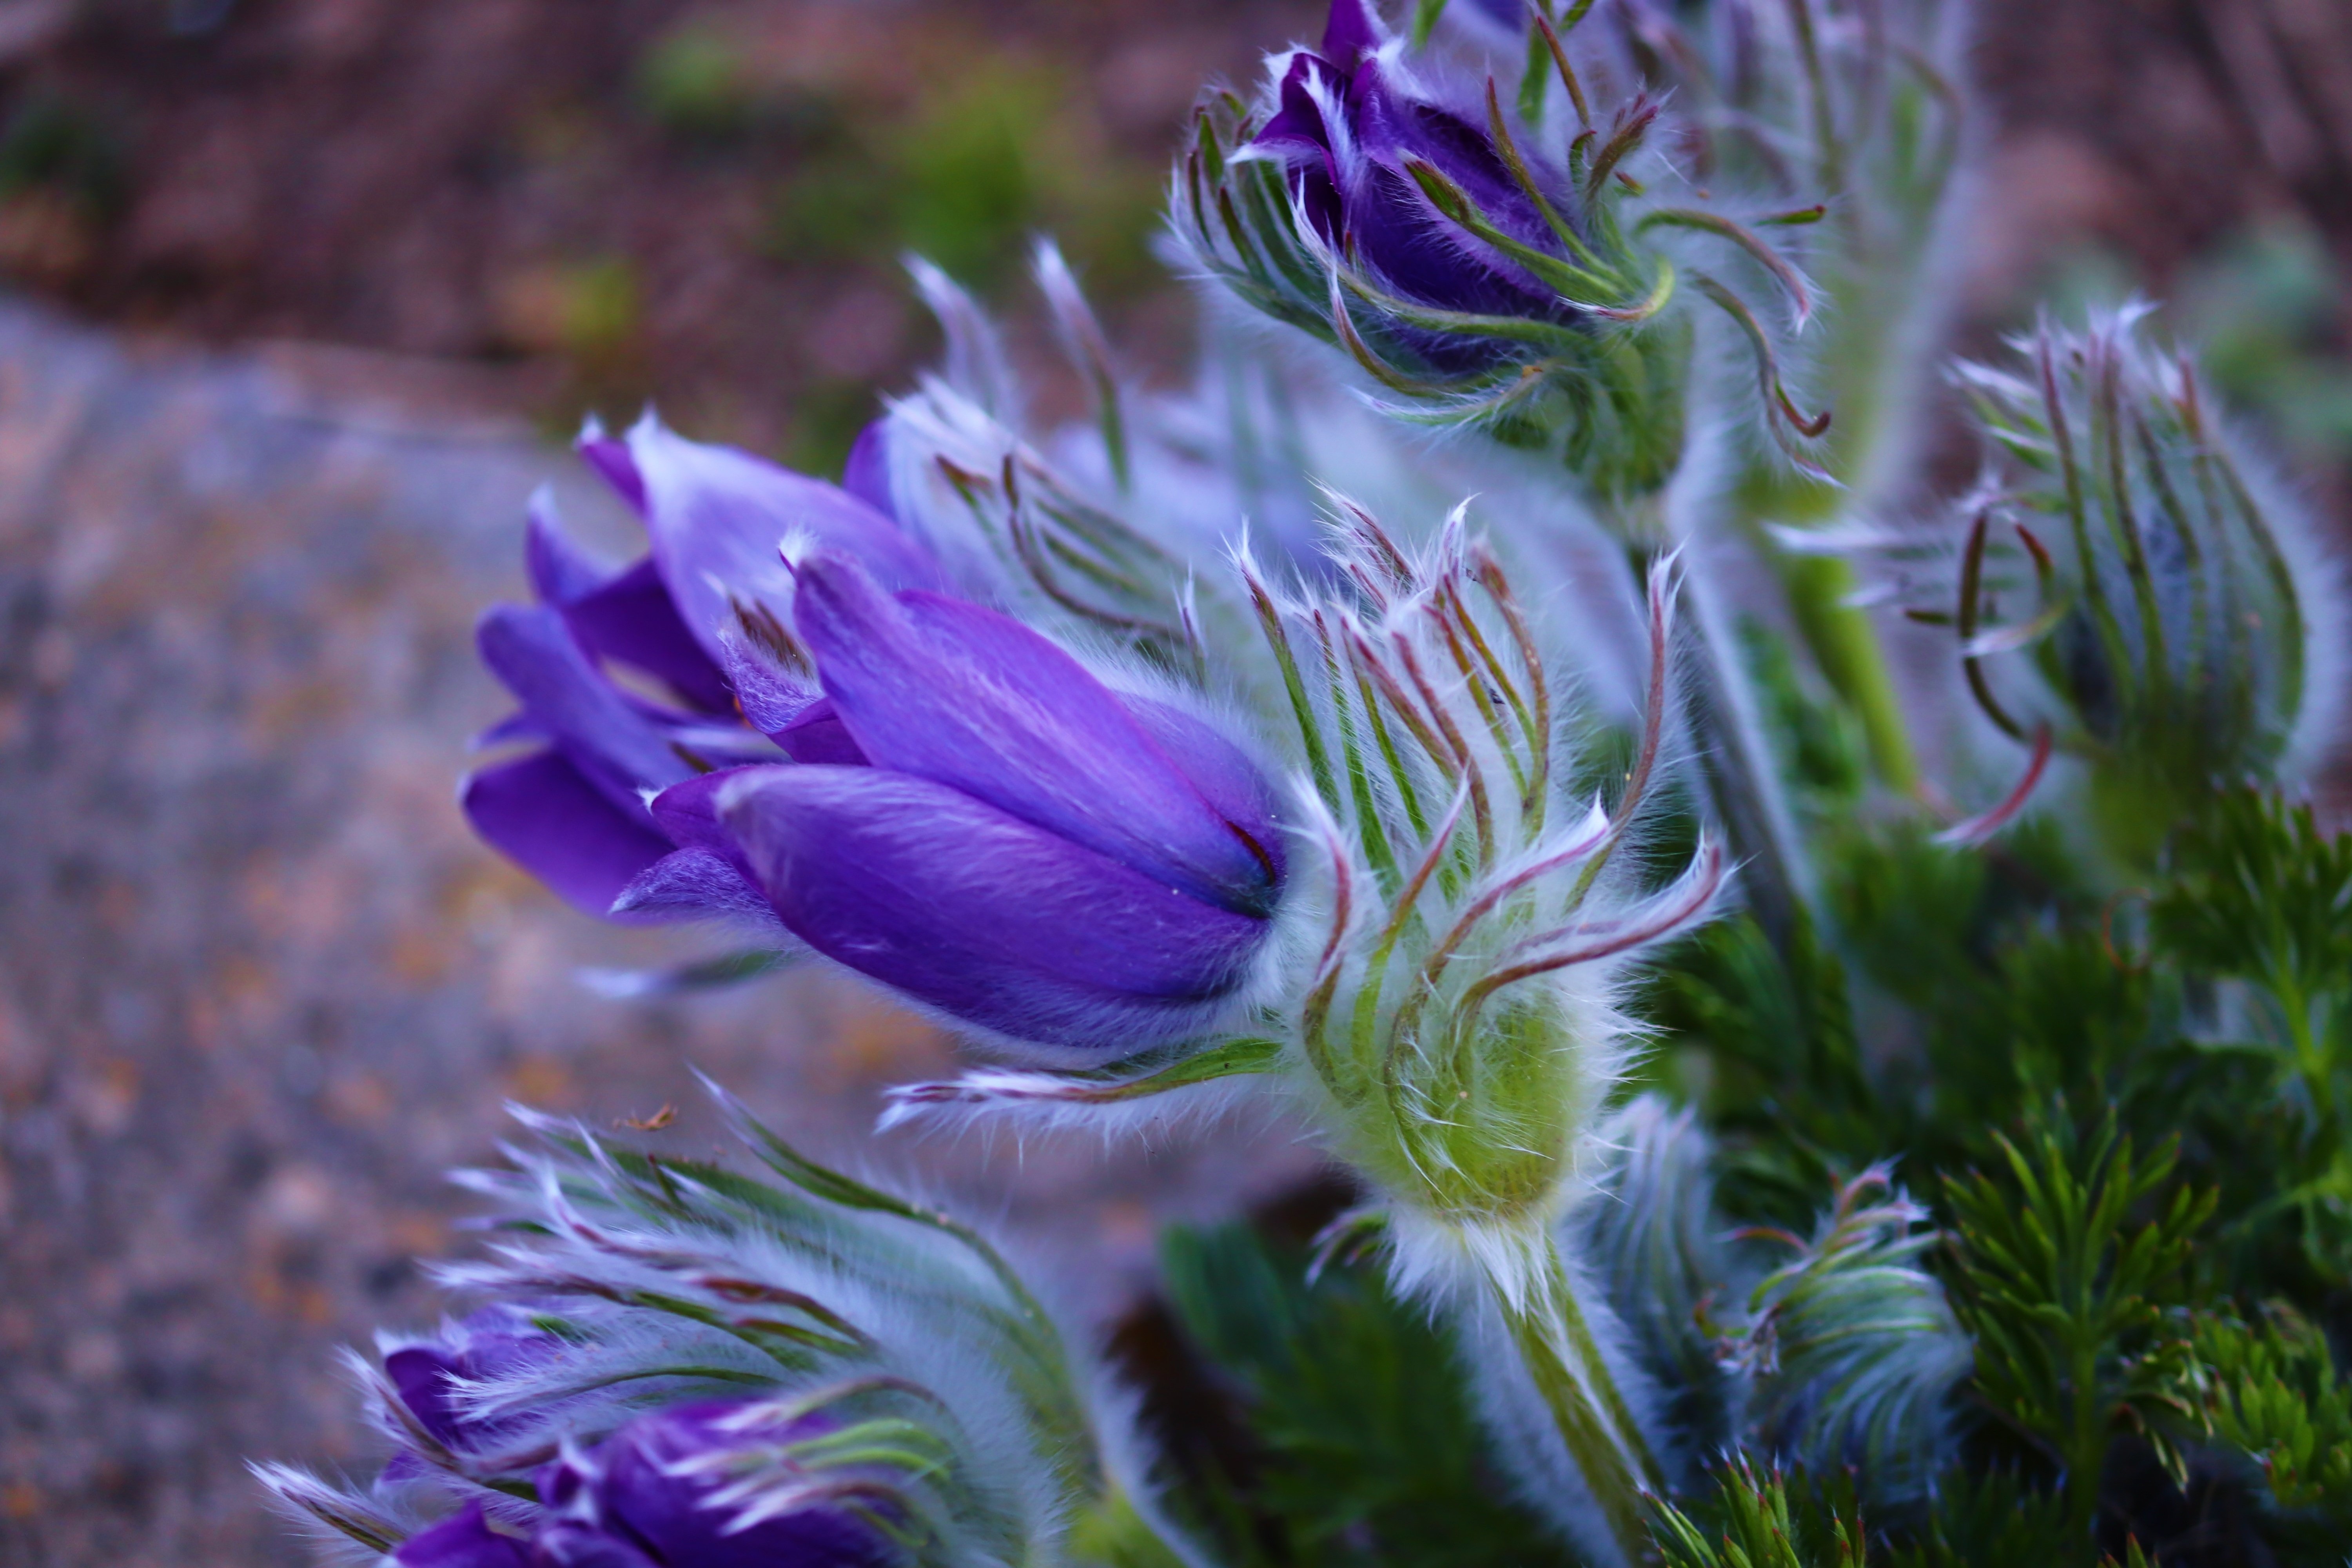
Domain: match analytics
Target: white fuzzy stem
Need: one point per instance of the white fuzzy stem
(1555, 1343)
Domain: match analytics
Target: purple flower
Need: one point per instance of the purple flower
(645, 1499)
(465, 1540)
(572, 811)
(981, 824)
(1348, 130)
(426, 1378)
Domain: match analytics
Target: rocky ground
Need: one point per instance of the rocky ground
(303, 285)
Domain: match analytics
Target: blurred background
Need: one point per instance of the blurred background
(300, 298)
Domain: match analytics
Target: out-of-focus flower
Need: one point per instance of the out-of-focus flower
(466, 1539)
(2170, 596)
(1442, 243)
(994, 832)
(739, 1370)
(431, 1378)
(715, 1484)
(702, 617)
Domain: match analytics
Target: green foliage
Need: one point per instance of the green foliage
(982, 162)
(2261, 894)
(1990, 1517)
(1822, 747)
(1753, 1521)
(1368, 1450)
(2271, 1391)
(2066, 1298)
(1912, 910)
(1786, 1080)
(2265, 308)
(693, 82)
(2261, 900)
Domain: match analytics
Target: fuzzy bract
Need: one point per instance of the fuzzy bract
(2171, 598)
(684, 1366)
(1491, 267)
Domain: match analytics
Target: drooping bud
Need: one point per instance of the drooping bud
(689, 1366)
(1001, 836)
(1469, 266)
(699, 616)
(2166, 590)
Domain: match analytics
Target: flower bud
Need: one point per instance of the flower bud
(996, 833)
(572, 810)
(2174, 592)
(718, 1369)
(715, 1484)
(1460, 1017)
(1440, 242)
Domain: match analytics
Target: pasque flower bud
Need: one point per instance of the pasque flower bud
(2167, 593)
(997, 833)
(572, 810)
(688, 1366)
(1432, 233)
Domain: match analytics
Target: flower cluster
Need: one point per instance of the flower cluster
(1206, 749)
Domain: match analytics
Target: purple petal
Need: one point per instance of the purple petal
(981, 915)
(771, 694)
(966, 696)
(1401, 236)
(629, 1504)
(560, 570)
(464, 1540)
(613, 741)
(867, 474)
(611, 459)
(542, 813)
(694, 885)
(718, 519)
(495, 1339)
(632, 618)
(1235, 787)
(1349, 33)
(565, 1544)
(820, 736)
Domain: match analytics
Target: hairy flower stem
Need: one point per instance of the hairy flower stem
(1549, 1330)
(1846, 648)
(1719, 705)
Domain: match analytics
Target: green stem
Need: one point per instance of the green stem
(1111, 1532)
(2088, 1450)
(1720, 706)
(2311, 1062)
(1846, 648)
(1555, 1343)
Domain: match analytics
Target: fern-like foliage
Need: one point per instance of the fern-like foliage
(2064, 1287)
(2261, 901)
(1367, 1448)
(2271, 1392)
(1760, 1518)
